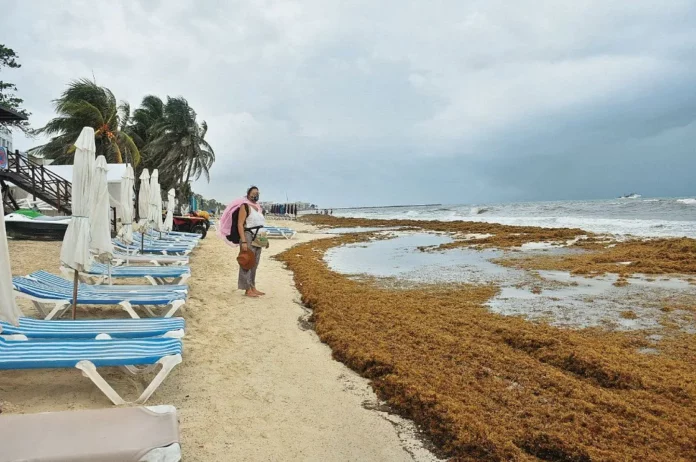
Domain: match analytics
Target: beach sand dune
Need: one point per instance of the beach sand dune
(253, 385)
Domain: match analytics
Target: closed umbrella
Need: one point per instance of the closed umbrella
(74, 252)
(169, 222)
(155, 217)
(144, 198)
(143, 206)
(9, 312)
(127, 180)
(99, 220)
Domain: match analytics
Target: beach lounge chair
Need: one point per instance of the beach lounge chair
(148, 248)
(274, 231)
(30, 328)
(145, 434)
(124, 258)
(88, 355)
(163, 275)
(157, 242)
(52, 295)
(169, 236)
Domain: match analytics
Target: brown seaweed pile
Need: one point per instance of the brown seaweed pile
(657, 256)
(494, 388)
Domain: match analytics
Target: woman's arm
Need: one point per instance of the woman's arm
(240, 226)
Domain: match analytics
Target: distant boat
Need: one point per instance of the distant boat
(631, 196)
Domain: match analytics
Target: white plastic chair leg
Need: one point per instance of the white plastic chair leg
(149, 311)
(89, 370)
(175, 305)
(58, 309)
(151, 280)
(168, 363)
(129, 309)
(135, 370)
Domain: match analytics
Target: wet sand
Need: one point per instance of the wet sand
(254, 384)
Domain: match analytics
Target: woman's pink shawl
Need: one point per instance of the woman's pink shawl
(225, 226)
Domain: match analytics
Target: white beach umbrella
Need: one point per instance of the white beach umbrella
(127, 180)
(9, 312)
(144, 197)
(75, 252)
(100, 222)
(169, 222)
(155, 217)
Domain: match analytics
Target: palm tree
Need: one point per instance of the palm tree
(150, 112)
(85, 104)
(177, 145)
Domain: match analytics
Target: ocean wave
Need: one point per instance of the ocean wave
(687, 201)
(477, 210)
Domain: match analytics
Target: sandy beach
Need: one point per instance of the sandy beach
(255, 384)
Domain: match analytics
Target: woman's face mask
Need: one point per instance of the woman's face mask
(254, 197)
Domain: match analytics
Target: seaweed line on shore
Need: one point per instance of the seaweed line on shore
(489, 387)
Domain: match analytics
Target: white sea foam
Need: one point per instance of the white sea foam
(644, 218)
(642, 228)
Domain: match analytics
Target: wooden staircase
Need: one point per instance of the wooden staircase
(37, 181)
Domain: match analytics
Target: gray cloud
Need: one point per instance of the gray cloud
(346, 103)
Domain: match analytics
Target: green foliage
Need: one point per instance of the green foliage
(8, 58)
(157, 135)
(172, 141)
(85, 104)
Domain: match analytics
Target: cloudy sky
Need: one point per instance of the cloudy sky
(393, 102)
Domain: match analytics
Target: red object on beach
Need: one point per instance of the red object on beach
(246, 259)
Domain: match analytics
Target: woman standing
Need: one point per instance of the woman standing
(249, 223)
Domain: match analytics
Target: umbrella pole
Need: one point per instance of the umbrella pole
(74, 296)
(142, 242)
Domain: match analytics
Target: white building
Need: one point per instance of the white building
(6, 138)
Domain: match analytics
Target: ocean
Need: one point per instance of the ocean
(645, 217)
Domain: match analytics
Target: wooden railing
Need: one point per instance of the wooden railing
(38, 181)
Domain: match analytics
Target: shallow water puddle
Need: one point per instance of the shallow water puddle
(589, 302)
(556, 297)
(400, 258)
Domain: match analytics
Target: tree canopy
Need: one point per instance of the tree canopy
(8, 99)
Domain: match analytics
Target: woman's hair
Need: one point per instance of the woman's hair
(251, 189)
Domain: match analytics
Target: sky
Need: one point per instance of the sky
(353, 103)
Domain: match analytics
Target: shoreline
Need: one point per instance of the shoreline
(488, 386)
(253, 385)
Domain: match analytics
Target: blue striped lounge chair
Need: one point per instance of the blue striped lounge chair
(30, 328)
(136, 355)
(164, 275)
(149, 248)
(46, 290)
(170, 236)
(156, 242)
(124, 258)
